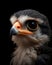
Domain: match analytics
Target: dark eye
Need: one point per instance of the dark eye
(31, 25)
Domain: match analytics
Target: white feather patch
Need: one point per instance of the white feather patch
(23, 18)
(13, 19)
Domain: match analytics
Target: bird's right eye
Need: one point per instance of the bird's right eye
(31, 25)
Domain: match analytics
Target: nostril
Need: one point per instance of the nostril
(18, 27)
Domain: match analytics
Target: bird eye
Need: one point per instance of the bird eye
(31, 25)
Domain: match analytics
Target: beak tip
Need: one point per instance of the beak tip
(12, 32)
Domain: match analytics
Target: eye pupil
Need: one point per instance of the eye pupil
(31, 25)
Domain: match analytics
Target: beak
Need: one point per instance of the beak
(13, 31)
(16, 29)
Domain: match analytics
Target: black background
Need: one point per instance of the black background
(7, 8)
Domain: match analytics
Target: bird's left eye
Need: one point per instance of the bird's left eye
(31, 25)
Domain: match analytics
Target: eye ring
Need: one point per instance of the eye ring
(31, 25)
(32, 29)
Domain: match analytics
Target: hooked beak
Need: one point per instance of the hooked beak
(16, 29)
(13, 31)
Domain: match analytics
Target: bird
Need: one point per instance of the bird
(30, 32)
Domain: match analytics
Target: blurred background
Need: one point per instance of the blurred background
(7, 8)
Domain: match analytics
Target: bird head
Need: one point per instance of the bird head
(29, 28)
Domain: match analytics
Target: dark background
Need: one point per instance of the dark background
(7, 8)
